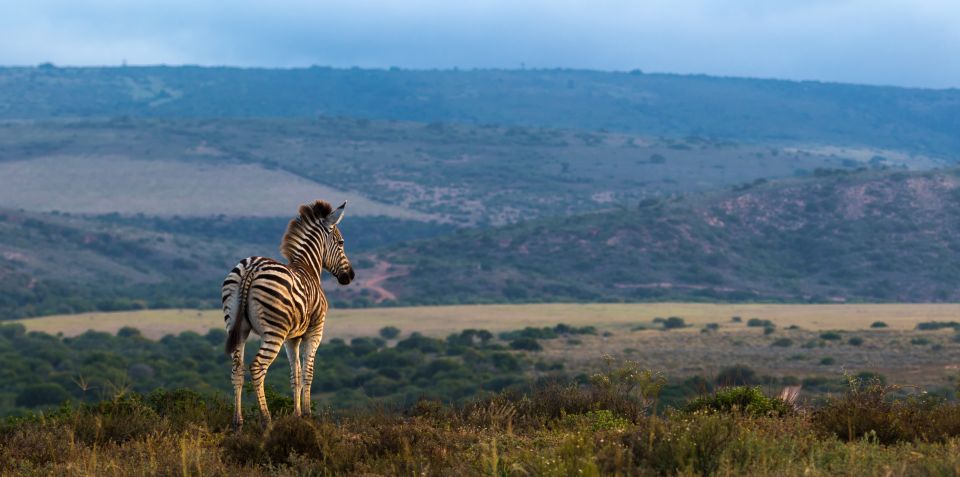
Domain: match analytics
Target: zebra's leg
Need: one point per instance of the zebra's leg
(310, 346)
(237, 376)
(269, 349)
(293, 355)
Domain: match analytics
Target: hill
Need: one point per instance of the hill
(915, 120)
(64, 263)
(867, 236)
(439, 172)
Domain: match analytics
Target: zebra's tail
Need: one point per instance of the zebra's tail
(234, 337)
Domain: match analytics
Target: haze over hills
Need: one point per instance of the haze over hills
(913, 120)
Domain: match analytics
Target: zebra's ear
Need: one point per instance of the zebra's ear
(336, 216)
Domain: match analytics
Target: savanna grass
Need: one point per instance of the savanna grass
(605, 427)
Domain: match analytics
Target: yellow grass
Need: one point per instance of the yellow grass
(442, 320)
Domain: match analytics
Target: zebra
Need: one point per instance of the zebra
(284, 304)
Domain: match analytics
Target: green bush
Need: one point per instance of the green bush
(738, 375)
(878, 324)
(42, 394)
(526, 344)
(937, 325)
(855, 341)
(830, 336)
(827, 361)
(118, 420)
(292, 435)
(673, 322)
(740, 399)
(758, 323)
(783, 342)
(389, 332)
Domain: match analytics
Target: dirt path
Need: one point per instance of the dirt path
(379, 274)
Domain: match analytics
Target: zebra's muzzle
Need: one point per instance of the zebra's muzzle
(346, 277)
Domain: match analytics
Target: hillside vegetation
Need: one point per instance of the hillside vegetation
(868, 236)
(63, 263)
(662, 104)
(460, 174)
(878, 236)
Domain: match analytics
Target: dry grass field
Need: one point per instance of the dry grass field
(899, 351)
(442, 320)
(101, 184)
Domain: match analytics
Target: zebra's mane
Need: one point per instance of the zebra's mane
(299, 229)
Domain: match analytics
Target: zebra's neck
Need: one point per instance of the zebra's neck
(309, 260)
(304, 243)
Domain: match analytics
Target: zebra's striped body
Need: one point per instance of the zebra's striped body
(284, 303)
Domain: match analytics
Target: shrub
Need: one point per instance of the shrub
(526, 344)
(859, 411)
(606, 420)
(878, 324)
(545, 333)
(937, 325)
(768, 330)
(118, 420)
(830, 336)
(736, 319)
(564, 329)
(740, 399)
(183, 408)
(758, 323)
(783, 342)
(738, 375)
(673, 322)
(42, 394)
(129, 332)
(827, 361)
(855, 341)
(243, 448)
(389, 332)
(291, 434)
(920, 341)
(419, 342)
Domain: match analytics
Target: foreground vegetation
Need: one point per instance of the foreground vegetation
(607, 426)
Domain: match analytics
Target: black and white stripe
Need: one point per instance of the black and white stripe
(284, 303)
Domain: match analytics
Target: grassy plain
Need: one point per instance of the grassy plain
(443, 320)
(898, 351)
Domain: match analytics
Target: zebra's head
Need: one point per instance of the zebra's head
(335, 258)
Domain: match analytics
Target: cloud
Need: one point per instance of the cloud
(899, 42)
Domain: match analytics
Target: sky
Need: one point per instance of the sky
(912, 43)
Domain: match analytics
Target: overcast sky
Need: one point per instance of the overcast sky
(893, 42)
